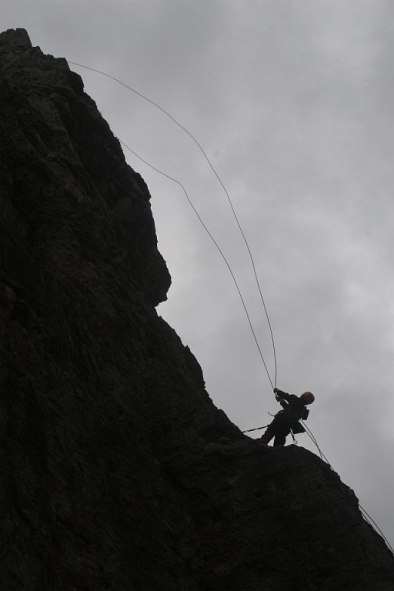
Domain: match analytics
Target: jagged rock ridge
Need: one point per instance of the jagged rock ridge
(117, 470)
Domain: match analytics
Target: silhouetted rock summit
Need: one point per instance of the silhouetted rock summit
(117, 471)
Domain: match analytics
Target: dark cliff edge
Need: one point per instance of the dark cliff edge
(117, 471)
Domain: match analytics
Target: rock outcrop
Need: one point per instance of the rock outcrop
(117, 471)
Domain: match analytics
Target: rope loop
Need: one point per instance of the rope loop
(251, 258)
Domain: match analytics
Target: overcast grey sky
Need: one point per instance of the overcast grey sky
(293, 102)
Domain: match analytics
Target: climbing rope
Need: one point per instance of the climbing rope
(366, 515)
(255, 429)
(375, 526)
(212, 238)
(203, 152)
(314, 441)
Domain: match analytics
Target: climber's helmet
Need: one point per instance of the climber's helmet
(307, 397)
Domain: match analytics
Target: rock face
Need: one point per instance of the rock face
(117, 471)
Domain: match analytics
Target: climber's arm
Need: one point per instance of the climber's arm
(280, 395)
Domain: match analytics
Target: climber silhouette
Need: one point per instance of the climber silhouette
(288, 419)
